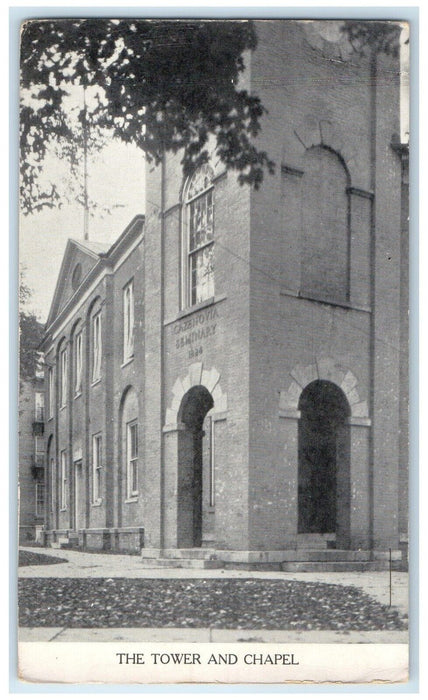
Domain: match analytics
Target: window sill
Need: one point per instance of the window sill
(131, 499)
(127, 362)
(96, 381)
(324, 300)
(63, 510)
(97, 503)
(76, 396)
(61, 408)
(194, 309)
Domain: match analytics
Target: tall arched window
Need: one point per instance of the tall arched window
(63, 373)
(325, 224)
(77, 368)
(131, 447)
(199, 237)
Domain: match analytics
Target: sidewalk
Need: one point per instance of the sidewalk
(99, 565)
(202, 635)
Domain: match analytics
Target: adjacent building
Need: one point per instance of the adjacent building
(227, 377)
(31, 446)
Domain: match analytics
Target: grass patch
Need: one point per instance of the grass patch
(216, 603)
(26, 558)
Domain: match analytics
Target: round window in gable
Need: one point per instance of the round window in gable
(77, 276)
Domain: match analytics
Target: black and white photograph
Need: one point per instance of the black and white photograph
(213, 350)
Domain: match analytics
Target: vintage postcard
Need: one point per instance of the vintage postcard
(213, 390)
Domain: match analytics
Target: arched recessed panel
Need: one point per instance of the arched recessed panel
(325, 225)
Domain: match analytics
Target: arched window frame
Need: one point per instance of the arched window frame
(78, 354)
(51, 392)
(97, 346)
(128, 321)
(198, 245)
(62, 356)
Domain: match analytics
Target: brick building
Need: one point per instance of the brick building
(226, 377)
(31, 448)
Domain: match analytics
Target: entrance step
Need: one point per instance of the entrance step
(208, 541)
(315, 540)
(339, 555)
(180, 563)
(61, 543)
(194, 553)
(338, 566)
(292, 560)
(67, 541)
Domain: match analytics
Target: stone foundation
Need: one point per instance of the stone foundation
(126, 539)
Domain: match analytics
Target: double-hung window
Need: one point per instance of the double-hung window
(200, 236)
(63, 480)
(96, 468)
(78, 364)
(53, 480)
(40, 498)
(128, 321)
(39, 405)
(51, 389)
(96, 347)
(132, 459)
(64, 370)
(39, 445)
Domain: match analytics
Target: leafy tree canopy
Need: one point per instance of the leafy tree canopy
(161, 85)
(373, 35)
(30, 334)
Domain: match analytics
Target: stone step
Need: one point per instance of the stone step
(162, 563)
(66, 542)
(194, 553)
(266, 559)
(61, 543)
(339, 555)
(310, 540)
(333, 566)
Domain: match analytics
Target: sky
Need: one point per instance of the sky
(115, 180)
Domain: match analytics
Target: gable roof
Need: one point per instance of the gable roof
(94, 257)
(65, 270)
(91, 247)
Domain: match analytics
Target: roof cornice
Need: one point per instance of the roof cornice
(106, 262)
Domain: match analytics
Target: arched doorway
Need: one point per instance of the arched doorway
(323, 453)
(193, 461)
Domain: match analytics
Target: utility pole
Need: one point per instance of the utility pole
(85, 169)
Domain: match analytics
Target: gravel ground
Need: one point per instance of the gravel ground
(27, 558)
(221, 603)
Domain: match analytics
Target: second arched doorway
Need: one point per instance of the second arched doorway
(324, 461)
